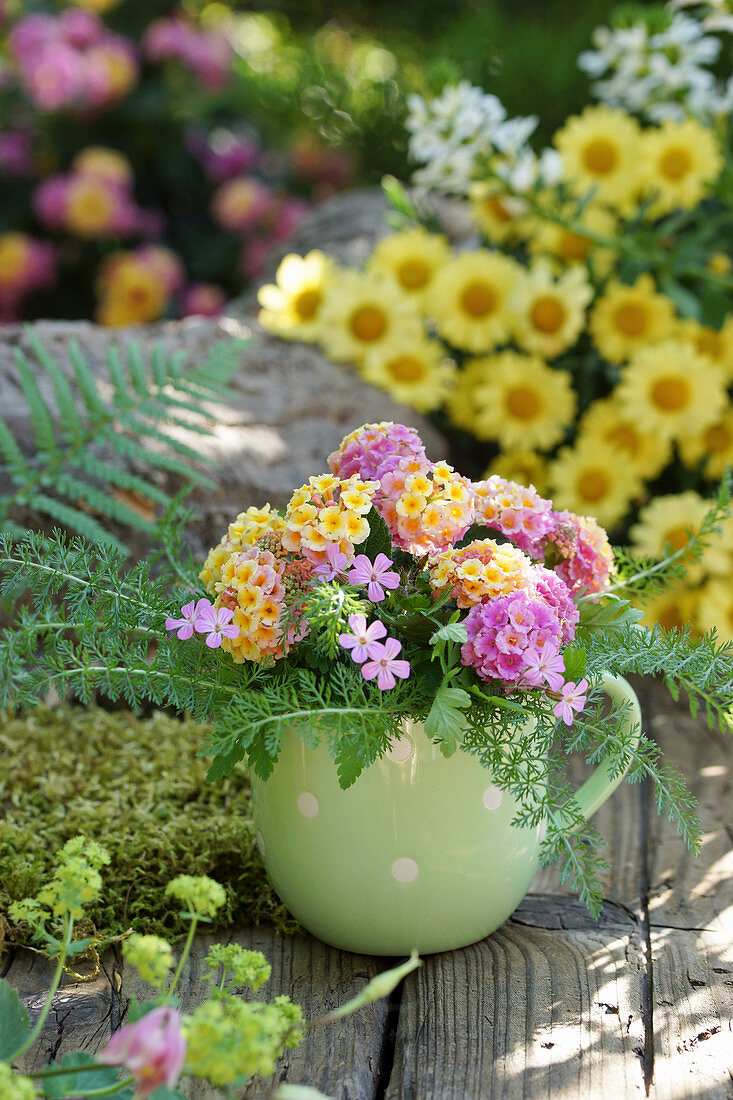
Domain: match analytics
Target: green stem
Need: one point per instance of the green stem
(62, 1071)
(182, 960)
(68, 932)
(108, 1090)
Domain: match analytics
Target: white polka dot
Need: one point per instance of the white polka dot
(543, 829)
(493, 798)
(399, 750)
(308, 804)
(404, 869)
(261, 843)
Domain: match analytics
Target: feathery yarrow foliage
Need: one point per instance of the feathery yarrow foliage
(499, 651)
(94, 433)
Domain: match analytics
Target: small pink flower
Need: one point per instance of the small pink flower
(376, 575)
(363, 642)
(153, 1049)
(545, 666)
(335, 565)
(216, 623)
(383, 665)
(573, 699)
(186, 624)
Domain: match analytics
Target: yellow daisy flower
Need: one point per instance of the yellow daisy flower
(678, 160)
(673, 610)
(670, 390)
(646, 453)
(291, 307)
(549, 313)
(715, 608)
(469, 299)
(501, 217)
(590, 481)
(599, 151)
(414, 371)
(411, 258)
(524, 467)
(668, 521)
(568, 247)
(714, 444)
(720, 264)
(363, 312)
(521, 402)
(715, 345)
(626, 317)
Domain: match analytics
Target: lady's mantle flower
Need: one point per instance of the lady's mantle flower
(14, 1086)
(186, 625)
(151, 956)
(364, 642)
(573, 699)
(376, 575)
(216, 623)
(383, 665)
(335, 565)
(203, 895)
(153, 1049)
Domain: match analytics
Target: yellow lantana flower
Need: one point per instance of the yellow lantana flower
(646, 453)
(670, 521)
(411, 258)
(414, 371)
(678, 162)
(549, 313)
(291, 307)
(590, 481)
(599, 151)
(670, 390)
(521, 402)
(362, 312)
(469, 300)
(626, 318)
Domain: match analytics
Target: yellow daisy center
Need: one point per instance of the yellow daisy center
(718, 438)
(708, 342)
(631, 319)
(413, 274)
(624, 437)
(677, 537)
(600, 157)
(547, 314)
(368, 323)
(478, 299)
(593, 485)
(406, 368)
(670, 394)
(675, 163)
(670, 618)
(306, 303)
(522, 403)
(573, 247)
(496, 207)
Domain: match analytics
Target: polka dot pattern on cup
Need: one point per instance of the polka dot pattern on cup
(493, 798)
(404, 869)
(308, 804)
(400, 750)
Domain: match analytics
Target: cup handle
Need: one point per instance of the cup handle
(601, 783)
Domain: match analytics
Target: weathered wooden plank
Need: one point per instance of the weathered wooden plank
(343, 1059)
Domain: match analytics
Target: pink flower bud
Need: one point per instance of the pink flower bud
(152, 1049)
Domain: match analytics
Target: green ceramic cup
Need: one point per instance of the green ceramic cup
(418, 853)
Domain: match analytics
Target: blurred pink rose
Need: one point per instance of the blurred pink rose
(288, 216)
(56, 76)
(49, 201)
(241, 203)
(16, 152)
(204, 299)
(254, 255)
(166, 265)
(80, 28)
(153, 1049)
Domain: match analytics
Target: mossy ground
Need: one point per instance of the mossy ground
(137, 786)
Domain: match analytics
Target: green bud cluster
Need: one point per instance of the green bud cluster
(202, 895)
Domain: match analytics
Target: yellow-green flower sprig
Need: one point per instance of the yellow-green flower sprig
(238, 966)
(230, 1041)
(151, 956)
(14, 1086)
(202, 895)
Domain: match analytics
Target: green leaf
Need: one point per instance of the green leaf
(477, 532)
(447, 720)
(223, 763)
(451, 632)
(379, 540)
(71, 1083)
(15, 1026)
(576, 660)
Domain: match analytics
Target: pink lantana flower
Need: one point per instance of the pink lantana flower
(384, 666)
(216, 623)
(573, 699)
(364, 642)
(186, 625)
(376, 575)
(153, 1049)
(335, 565)
(545, 666)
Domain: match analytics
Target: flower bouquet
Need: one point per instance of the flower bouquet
(443, 642)
(579, 335)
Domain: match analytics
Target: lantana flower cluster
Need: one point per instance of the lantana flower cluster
(336, 577)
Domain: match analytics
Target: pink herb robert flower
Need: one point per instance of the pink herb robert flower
(335, 566)
(376, 575)
(186, 625)
(364, 642)
(216, 623)
(545, 666)
(153, 1049)
(384, 667)
(573, 699)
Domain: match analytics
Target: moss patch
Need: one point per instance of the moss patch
(137, 787)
